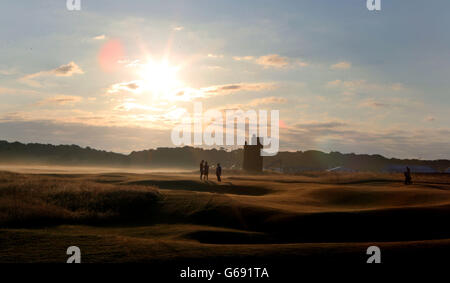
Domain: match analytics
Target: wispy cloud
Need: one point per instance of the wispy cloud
(268, 101)
(271, 100)
(188, 94)
(61, 100)
(321, 125)
(344, 65)
(215, 68)
(430, 118)
(231, 88)
(133, 106)
(61, 71)
(372, 103)
(6, 90)
(8, 72)
(210, 55)
(244, 58)
(178, 28)
(272, 61)
(132, 86)
(99, 37)
(130, 63)
(66, 70)
(355, 86)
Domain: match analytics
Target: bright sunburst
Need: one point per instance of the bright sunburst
(160, 78)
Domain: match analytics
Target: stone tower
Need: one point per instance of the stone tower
(253, 161)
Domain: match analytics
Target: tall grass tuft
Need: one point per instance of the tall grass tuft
(27, 200)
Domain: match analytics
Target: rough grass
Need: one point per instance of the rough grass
(321, 177)
(39, 200)
(124, 217)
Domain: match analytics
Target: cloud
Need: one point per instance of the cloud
(99, 37)
(62, 71)
(132, 86)
(321, 125)
(375, 104)
(230, 88)
(356, 86)
(8, 72)
(245, 58)
(178, 28)
(132, 106)
(5, 90)
(215, 68)
(301, 63)
(430, 118)
(344, 65)
(272, 61)
(61, 100)
(188, 94)
(210, 55)
(67, 70)
(392, 102)
(347, 84)
(268, 101)
(123, 115)
(397, 87)
(130, 63)
(271, 100)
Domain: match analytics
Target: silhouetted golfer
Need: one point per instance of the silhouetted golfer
(218, 172)
(201, 170)
(408, 176)
(206, 170)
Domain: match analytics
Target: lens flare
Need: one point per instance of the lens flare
(109, 55)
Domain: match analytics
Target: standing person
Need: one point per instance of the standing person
(218, 172)
(408, 176)
(201, 170)
(206, 170)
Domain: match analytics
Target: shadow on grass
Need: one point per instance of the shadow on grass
(228, 237)
(207, 186)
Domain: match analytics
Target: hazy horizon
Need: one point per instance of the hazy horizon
(228, 149)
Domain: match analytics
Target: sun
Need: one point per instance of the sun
(160, 78)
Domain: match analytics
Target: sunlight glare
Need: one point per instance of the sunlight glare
(160, 78)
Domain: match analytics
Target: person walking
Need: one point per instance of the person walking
(201, 170)
(205, 170)
(218, 172)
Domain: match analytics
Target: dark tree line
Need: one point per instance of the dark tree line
(189, 158)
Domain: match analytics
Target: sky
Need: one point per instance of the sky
(119, 75)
